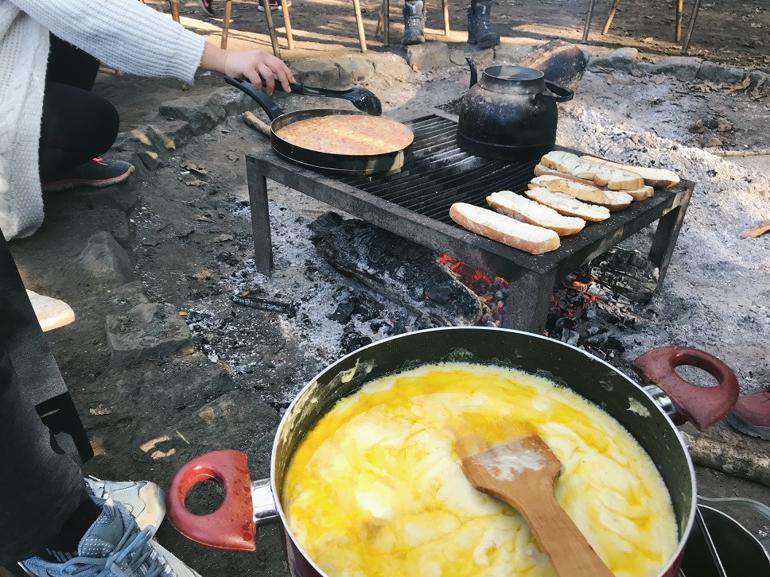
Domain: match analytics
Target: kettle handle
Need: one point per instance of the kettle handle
(474, 71)
(559, 93)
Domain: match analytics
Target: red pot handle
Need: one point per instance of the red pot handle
(702, 406)
(231, 526)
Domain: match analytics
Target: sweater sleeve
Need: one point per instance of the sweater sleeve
(124, 34)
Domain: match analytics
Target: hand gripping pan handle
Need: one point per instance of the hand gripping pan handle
(267, 104)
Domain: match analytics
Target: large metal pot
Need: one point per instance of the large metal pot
(642, 411)
(510, 113)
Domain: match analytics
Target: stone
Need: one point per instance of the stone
(620, 59)
(127, 296)
(758, 81)
(561, 62)
(150, 159)
(201, 117)
(320, 73)
(428, 56)
(392, 65)
(354, 69)
(512, 53)
(680, 67)
(712, 142)
(105, 261)
(147, 331)
(482, 58)
(231, 100)
(713, 72)
(167, 136)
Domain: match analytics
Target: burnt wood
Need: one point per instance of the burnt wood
(414, 203)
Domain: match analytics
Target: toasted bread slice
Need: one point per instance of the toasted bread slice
(542, 170)
(569, 205)
(585, 168)
(520, 235)
(529, 211)
(612, 199)
(656, 177)
(642, 193)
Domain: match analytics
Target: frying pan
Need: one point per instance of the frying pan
(647, 413)
(343, 164)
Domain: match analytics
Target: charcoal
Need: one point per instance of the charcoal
(627, 273)
(352, 339)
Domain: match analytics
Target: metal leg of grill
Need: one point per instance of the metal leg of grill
(528, 302)
(260, 221)
(665, 236)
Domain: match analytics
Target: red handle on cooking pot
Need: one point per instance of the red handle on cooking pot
(231, 526)
(702, 406)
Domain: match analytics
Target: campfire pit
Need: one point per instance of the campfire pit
(414, 204)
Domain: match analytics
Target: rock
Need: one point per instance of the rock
(149, 330)
(128, 296)
(712, 142)
(167, 136)
(681, 67)
(428, 56)
(724, 125)
(201, 117)
(482, 58)
(512, 53)
(150, 159)
(713, 72)
(620, 59)
(104, 260)
(354, 69)
(317, 73)
(231, 100)
(561, 62)
(392, 66)
(758, 81)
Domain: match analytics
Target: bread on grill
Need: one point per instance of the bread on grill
(568, 205)
(531, 212)
(600, 174)
(612, 199)
(656, 177)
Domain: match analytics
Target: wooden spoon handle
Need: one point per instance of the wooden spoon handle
(559, 538)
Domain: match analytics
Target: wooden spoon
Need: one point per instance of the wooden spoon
(522, 473)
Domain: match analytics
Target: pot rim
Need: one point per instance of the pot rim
(526, 74)
(682, 541)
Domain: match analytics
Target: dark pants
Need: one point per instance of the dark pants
(40, 484)
(77, 124)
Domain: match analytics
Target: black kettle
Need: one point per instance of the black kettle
(510, 113)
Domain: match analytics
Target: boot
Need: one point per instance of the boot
(480, 30)
(751, 415)
(414, 22)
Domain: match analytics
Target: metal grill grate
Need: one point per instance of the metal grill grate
(437, 173)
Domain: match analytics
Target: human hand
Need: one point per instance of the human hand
(260, 68)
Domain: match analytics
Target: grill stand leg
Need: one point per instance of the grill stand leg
(664, 241)
(260, 221)
(528, 302)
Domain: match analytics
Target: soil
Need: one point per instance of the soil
(737, 33)
(191, 246)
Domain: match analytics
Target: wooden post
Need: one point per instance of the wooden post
(226, 25)
(271, 28)
(691, 26)
(589, 17)
(445, 10)
(678, 24)
(175, 10)
(386, 22)
(287, 25)
(610, 16)
(360, 24)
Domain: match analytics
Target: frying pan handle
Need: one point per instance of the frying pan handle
(265, 102)
(560, 93)
(702, 406)
(232, 525)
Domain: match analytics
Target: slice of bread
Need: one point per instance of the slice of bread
(520, 235)
(542, 170)
(642, 193)
(51, 313)
(586, 168)
(612, 199)
(657, 177)
(526, 210)
(568, 205)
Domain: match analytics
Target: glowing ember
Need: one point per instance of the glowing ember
(491, 290)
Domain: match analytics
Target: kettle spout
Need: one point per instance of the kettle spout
(474, 71)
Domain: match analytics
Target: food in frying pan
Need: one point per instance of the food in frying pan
(376, 488)
(350, 134)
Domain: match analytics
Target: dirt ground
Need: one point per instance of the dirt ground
(730, 32)
(191, 247)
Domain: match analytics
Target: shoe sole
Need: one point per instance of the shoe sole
(747, 428)
(70, 183)
(155, 507)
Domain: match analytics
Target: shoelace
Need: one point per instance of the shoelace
(137, 552)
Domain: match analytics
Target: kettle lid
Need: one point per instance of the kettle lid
(511, 73)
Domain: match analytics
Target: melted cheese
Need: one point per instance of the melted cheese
(376, 488)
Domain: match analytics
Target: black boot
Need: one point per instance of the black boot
(480, 30)
(414, 22)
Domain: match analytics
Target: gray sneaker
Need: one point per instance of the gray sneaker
(114, 547)
(143, 499)
(96, 173)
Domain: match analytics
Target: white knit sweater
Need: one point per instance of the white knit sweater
(124, 34)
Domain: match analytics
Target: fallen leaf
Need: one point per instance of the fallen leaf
(202, 275)
(195, 182)
(757, 231)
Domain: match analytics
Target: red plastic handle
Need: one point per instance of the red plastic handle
(702, 406)
(232, 525)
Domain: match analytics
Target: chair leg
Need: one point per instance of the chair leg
(386, 22)
(226, 25)
(691, 26)
(610, 16)
(589, 17)
(287, 25)
(175, 10)
(360, 25)
(678, 24)
(445, 10)
(271, 28)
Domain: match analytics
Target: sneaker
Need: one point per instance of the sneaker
(274, 5)
(143, 499)
(114, 547)
(207, 6)
(751, 415)
(96, 173)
